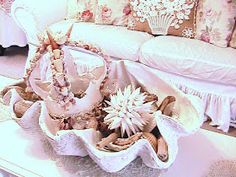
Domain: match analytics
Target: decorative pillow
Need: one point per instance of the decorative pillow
(215, 21)
(162, 17)
(81, 10)
(233, 39)
(112, 12)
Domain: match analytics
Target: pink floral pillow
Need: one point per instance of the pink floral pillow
(233, 39)
(215, 21)
(81, 10)
(112, 12)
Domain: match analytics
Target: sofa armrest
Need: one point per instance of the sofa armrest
(34, 16)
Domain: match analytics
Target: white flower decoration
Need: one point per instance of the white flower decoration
(162, 14)
(188, 33)
(125, 111)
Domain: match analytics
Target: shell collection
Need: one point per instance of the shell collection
(121, 118)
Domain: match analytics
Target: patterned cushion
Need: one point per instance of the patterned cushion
(112, 12)
(81, 10)
(233, 39)
(175, 17)
(215, 21)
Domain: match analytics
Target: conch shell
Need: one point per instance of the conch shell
(58, 65)
(69, 31)
(52, 41)
(21, 107)
(151, 139)
(162, 149)
(57, 53)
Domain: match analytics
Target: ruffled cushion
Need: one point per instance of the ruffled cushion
(191, 58)
(117, 42)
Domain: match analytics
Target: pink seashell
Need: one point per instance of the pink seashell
(57, 53)
(58, 65)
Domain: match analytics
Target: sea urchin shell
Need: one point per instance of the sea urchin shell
(125, 111)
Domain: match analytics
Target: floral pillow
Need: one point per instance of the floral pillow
(215, 21)
(233, 40)
(112, 12)
(174, 17)
(81, 10)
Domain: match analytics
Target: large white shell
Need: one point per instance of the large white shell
(83, 142)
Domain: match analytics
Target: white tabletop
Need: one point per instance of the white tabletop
(26, 154)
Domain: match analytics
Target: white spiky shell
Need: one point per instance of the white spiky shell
(125, 111)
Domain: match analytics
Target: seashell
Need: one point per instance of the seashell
(92, 123)
(64, 91)
(67, 124)
(162, 149)
(165, 102)
(105, 141)
(52, 41)
(21, 107)
(128, 117)
(57, 53)
(29, 96)
(60, 79)
(168, 111)
(49, 48)
(53, 93)
(151, 123)
(128, 141)
(151, 139)
(160, 24)
(115, 148)
(68, 33)
(150, 97)
(58, 65)
(79, 126)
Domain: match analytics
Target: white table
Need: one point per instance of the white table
(23, 154)
(10, 33)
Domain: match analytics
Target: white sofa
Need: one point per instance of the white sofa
(195, 67)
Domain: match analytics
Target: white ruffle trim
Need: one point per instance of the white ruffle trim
(219, 108)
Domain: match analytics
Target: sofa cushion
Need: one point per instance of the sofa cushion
(83, 10)
(163, 17)
(191, 58)
(215, 23)
(116, 41)
(112, 12)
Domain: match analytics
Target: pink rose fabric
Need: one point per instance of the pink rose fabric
(112, 12)
(6, 5)
(81, 10)
(215, 21)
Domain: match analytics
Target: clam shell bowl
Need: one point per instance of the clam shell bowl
(83, 142)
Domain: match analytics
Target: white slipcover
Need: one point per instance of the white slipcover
(118, 42)
(191, 58)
